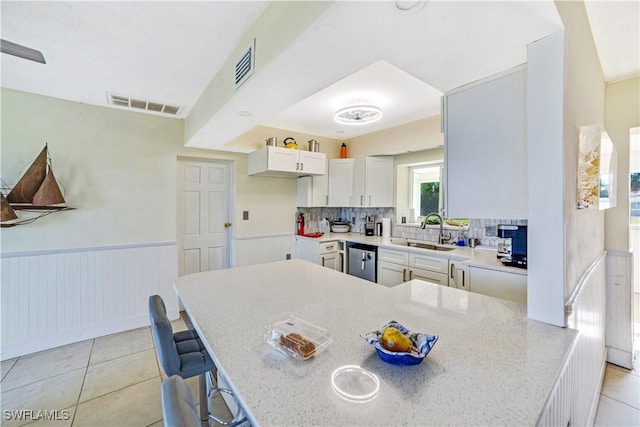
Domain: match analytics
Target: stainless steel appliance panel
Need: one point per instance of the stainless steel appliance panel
(362, 261)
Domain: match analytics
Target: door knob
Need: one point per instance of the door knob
(227, 224)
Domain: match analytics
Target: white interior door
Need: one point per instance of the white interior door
(203, 216)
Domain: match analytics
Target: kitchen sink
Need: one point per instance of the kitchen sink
(421, 245)
(428, 246)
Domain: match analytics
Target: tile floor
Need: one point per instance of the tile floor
(115, 381)
(108, 381)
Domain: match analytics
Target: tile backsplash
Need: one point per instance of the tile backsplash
(483, 229)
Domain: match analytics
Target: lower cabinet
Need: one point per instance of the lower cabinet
(459, 275)
(499, 284)
(328, 254)
(396, 267)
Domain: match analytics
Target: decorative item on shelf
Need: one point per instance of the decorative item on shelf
(343, 151)
(597, 167)
(37, 190)
(314, 145)
(290, 143)
(272, 141)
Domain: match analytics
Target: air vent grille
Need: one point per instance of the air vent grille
(141, 104)
(245, 64)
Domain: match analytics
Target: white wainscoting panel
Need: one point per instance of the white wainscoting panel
(586, 311)
(264, 248)
(620, 308)
(53, 298)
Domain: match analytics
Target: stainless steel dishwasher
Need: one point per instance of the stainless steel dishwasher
(362, 261)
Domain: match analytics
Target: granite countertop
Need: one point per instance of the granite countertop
(490, 366)
(471, 256)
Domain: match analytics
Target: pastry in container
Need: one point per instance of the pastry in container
(297, 338)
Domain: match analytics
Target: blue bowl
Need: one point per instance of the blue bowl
(421, 345)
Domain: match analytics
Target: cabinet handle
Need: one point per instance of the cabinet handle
(330, 247)
(361, 200)
(369, 199)
(322, 260)
(410, 274)
(451, 270)
(463, 284)
(297, 166)
(301, 166)
(404, 274)
(327, 200)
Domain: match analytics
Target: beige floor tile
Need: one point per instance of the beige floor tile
(58, 392)
(137, 405)
(122, 344)
(115, 374)
(178, 325)
(5, 366)
(622, 386)
(158, 424)
(49, 363)
(616, 414)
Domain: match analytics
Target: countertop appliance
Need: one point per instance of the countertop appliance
(513, 252)
(370, 226)
(362, 261)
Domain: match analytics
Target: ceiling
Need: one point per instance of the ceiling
(169, 52)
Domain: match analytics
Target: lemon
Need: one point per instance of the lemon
(394, 340)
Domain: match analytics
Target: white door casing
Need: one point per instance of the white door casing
(203, 215)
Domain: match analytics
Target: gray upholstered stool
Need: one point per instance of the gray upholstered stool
(183, 354)
(178, 406)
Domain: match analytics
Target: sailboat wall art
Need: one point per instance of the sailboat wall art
(36, 190)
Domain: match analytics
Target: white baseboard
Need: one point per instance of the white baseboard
(620, 357)
(78, 335)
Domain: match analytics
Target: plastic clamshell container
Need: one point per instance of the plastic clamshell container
(297, 338)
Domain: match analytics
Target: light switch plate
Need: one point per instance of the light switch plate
(245, 215)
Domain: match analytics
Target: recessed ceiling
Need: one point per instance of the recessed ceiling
(168, 52)
(402, 98)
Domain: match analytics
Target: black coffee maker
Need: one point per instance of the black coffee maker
(515, 247)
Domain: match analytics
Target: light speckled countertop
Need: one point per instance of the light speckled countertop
(490, 366)
(473, 257)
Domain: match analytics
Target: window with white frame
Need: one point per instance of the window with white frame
(426, 188)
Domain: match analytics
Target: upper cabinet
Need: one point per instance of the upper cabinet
(362, 182)
(341, 182)
(285, 162)
(486, 148)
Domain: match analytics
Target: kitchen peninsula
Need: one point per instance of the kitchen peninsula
(490, 366)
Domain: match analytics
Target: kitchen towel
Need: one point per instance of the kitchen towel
(386, 227)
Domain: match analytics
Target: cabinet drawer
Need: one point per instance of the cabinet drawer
(326, 247)
(399, 257)
(428, 276)
(438, 265)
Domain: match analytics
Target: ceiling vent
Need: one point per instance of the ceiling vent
(141, 104)
(245, 64)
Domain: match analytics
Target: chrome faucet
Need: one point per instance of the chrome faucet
(441, 236)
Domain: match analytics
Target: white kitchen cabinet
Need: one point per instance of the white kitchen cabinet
(341, 182)
(499, 284)
(326, 254)
(313, 191)
(373, 182)
(458, 275)
(397, 266)
(486, 148)
(285, 162)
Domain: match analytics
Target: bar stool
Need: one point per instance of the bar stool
(178, 406)
(183, 354)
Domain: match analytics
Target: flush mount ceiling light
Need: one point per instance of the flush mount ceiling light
(358, 114)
